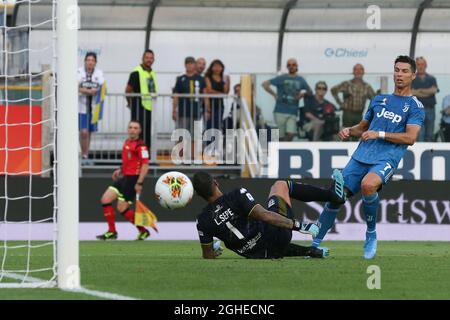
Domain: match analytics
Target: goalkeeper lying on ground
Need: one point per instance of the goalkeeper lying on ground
(252, 231)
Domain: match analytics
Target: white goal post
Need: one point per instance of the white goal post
(39, 101)
(67, 17)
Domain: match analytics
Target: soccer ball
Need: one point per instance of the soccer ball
(174, 190)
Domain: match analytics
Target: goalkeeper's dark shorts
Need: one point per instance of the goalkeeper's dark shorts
(124, 188)
(277, 239)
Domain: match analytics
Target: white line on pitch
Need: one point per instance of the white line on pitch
(36, 282)
(32, 282)
(101, 294)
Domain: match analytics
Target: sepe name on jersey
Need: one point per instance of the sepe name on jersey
(224, 216)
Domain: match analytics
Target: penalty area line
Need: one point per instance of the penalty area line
(33, 282)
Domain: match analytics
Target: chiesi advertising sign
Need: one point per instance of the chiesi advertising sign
(422, 161)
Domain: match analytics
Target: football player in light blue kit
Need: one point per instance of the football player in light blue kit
(391, 124)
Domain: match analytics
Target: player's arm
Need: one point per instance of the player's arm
(255, 211)
(207, 251)
(210, 252)
(355, 131)
(260, 213)
(409, 137)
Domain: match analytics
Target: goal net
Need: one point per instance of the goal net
(30, 232)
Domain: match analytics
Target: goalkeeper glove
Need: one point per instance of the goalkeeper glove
(308, 228)
(217, 248)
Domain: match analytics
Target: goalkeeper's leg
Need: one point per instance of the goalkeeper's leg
(296, 250)
(306, 192)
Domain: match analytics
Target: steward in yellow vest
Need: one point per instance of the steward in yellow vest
(143, 80)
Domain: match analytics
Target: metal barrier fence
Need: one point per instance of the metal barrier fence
(106, 144)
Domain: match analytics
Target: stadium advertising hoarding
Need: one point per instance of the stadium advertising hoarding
(21, 126)
(409, 210)
(422, 161)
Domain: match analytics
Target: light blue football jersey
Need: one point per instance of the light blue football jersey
(389, 113)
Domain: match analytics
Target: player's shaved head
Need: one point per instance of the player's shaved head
(204, 184)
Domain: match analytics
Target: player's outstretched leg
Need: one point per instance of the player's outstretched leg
(331, 209)
(280, 190)
(108, 211)
(128, 214)
(326, 221)
(338, 191)
(370, 199)
(306, 192)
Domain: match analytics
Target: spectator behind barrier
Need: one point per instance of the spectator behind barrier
(90, 102)
(425, 88)
(143, 80)
(200, 66)
(216, 83)
(445, 122)
(355, 93)
(290, 89)
(322, 122)
(187, 110)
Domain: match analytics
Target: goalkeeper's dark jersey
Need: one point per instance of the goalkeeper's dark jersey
(227, 219)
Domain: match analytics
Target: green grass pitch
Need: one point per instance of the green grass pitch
(174, 270)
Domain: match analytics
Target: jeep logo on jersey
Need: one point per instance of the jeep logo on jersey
(389, 115)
